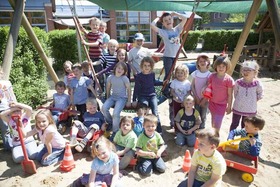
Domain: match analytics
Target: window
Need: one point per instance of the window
(36, 19)
(129, 23)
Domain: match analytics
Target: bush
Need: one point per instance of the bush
(63, 44)
(28, 74)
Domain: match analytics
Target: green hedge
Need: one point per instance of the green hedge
(214, 40)
(28, 74)
(63, 44)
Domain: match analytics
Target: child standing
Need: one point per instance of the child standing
(137, 53)
(125, 141)
(61, 100)
(87, 73)
(207, 164)
(119, 97)
(170, 36)
(105, 36)
(180, 87)
(199, 82)
(14, 141)
(69, 75)
(93, 120)
(222, 86)
(52, 148)
(247, 92)
(95, 43)
(145, 87)
(79, 92)
(149, 148)
(253, 125)
(187, 122)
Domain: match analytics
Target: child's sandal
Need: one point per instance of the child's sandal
(81, 146)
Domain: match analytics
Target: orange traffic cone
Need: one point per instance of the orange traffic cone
(208, 92)
(67, 163)
(187, 162)
(103, 184)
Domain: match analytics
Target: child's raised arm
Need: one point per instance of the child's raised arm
(5, 115)
(27, 109)
(153, 24)
(181, 16)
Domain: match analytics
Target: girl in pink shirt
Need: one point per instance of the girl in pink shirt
(222, 88)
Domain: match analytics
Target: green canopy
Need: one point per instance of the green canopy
(223, 6)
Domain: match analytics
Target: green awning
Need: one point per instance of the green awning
(223, 6)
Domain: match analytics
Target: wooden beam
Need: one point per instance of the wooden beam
(36, 43)
(274, 14)
(244, 34)
(12, 39)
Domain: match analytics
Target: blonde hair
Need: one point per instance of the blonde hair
(103, 23)
(183, 68)
(208, 134)
(113, 42)
(46, 113)
(94, 19)
(150, 118)
(101, 142)
(188, 98)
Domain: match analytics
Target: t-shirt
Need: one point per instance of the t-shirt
(150, 144)
(185, 121)
(138, 125)
(207, 165)
(95, 51)
(96, 118)
(246, 96)
(108, 62)
(200, 81)
(14, 133)
(61, 101)
(127, 141)
(57, 141)
(181, 88)
(145, 85)
(105, 168)
(118, 86)
(171, 39)
(80, 89)
(135, 56)
(220, 88)
(105, 38)
(6, 94)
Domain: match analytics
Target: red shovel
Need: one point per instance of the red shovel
(27, 165)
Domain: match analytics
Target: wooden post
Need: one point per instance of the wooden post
(274, 15)
(244, 34)
(12, 39)
(36, 43)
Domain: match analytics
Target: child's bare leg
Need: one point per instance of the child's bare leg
(74, 132)
(83, 143)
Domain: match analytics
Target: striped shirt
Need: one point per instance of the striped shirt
(95, 51)
(108, 62)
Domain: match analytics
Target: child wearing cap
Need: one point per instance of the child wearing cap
(199, 82)
(137, 53)
(248, 90)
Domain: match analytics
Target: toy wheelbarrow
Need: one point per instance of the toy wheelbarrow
(230, 143)
(27, 165)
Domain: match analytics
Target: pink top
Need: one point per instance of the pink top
(220, 88)
(200, 81)
(57, 141)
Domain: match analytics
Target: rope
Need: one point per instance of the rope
(76, 22)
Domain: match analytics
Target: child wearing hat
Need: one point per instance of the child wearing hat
(137, 53)
(248, 90)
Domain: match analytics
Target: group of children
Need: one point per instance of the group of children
(142, 135)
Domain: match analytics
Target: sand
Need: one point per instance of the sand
(268, 173)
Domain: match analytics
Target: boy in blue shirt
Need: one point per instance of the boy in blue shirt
(253, 145)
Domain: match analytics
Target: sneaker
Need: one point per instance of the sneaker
(73, 142)
(81, 146)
